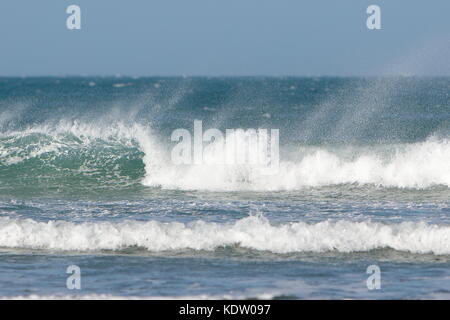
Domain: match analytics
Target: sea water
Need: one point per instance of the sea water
(86, 180)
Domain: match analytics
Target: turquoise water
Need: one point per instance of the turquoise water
(86, 179)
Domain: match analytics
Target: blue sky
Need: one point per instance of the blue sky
(224, 37)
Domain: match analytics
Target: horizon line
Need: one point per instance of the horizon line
(223, 76)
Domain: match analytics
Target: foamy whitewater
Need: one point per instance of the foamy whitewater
(251, 233)
(418, 165)
(87, 179)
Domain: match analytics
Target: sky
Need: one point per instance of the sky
(224, 38)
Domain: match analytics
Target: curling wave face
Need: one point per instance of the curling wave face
(71, 156)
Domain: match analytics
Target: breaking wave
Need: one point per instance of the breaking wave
(418, 165)
(254, 233)
(120, 152)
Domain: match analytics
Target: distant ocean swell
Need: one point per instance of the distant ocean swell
(133, 153)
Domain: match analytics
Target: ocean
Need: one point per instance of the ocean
(358, 207)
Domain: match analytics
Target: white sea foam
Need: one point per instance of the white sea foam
(262, 296)
(418, 165)
(255, 233)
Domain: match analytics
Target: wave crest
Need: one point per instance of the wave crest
(255, 233)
